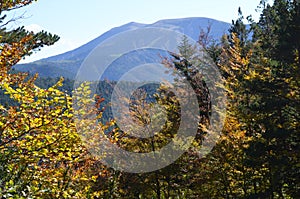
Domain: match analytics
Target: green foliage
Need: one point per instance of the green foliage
(41, 155)
(258, 157)
(44, 155)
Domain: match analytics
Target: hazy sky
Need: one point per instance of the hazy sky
(78, 22)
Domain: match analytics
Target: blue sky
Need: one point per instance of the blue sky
(78, 22)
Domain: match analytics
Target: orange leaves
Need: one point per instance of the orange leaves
(39, 145)
(13, 4)
(12, 53)
(41, 132)
(9, 56)
(234, 61)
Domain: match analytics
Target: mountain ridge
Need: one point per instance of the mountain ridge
(66, 64)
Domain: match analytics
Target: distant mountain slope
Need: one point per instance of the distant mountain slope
(68, 63)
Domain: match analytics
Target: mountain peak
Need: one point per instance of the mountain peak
(68, 63)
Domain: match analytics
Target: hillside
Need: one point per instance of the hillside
(68, 63)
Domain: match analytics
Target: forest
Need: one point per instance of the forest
(42, 154)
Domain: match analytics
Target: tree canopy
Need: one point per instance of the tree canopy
(43, 155)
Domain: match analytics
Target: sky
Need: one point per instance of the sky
(78, 22)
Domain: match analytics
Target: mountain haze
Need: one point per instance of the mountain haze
(67, 64)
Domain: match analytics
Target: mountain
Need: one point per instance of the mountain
(67, 64)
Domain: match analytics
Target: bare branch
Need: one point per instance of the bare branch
(13, 19)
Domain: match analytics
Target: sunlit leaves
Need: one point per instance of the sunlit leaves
(7, 5)
(39, 146)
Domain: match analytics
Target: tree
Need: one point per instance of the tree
(262, 78)
(257, 154)
(41, 154)
(279, 99)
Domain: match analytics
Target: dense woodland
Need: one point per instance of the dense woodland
(257, 155)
